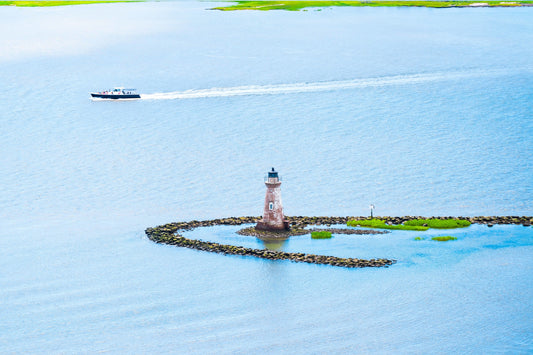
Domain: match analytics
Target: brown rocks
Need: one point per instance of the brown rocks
(168, 234)
(263, 234)
(500, 219)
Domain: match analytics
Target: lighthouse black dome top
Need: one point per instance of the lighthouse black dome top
(273, 173)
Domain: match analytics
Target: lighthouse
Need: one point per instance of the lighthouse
(273, 218)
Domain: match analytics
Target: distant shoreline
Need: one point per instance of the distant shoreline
(318, 5)
(61, 3)
(291, 5)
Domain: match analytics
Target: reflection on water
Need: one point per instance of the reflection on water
(273, 243)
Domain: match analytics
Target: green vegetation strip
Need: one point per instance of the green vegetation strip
(381, 224)
(421, 224)
(439, 223)
(299, 5)
(444, 238)
(321, 235)
(60, 3)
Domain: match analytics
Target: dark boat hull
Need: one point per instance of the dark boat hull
(115, 97)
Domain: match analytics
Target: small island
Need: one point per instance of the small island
(301, 5)
(417, 224)
(169, 234)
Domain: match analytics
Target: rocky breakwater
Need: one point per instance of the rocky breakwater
(282, 234)
(526, 221)
(251, 231)
(492, 220)
(300, 222)
(230, 221)
(167, 234)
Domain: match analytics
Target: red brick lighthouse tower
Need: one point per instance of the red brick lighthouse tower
(273, 218)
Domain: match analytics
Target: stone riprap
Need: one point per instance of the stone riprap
(303, 221)
(164, 235)
(281, 234)
(253, 232)
(168, 234)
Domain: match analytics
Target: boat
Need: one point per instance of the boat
(118, 93)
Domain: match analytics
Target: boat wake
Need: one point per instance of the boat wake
(318, 86)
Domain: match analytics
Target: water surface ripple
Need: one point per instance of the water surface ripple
(417, 111)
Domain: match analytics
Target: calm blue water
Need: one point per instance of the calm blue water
(418, 111)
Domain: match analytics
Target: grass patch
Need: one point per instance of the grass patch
(299, 5)
(414, 225)
(419, 238)
(321, 235)
(444, 238)
(378, 223)
(60, 3)
(439, 223)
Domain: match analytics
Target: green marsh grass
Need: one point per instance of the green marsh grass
(439, 223)
(299, 5)
(444, 238)
(414, 225)
(321, 235)
(378, 223)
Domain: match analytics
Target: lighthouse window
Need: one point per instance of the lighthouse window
(271, 206)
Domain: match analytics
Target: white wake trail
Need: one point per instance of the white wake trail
(315, 87)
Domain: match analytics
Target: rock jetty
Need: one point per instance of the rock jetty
(253, 232)
(263, 234)
(303, 221)
(164, 235)
(168, 234)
